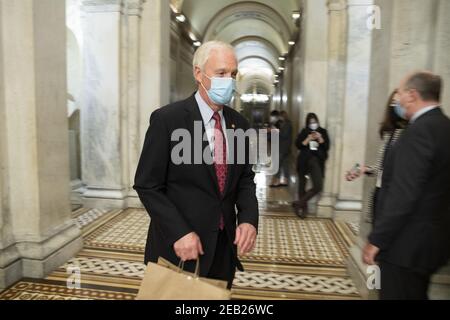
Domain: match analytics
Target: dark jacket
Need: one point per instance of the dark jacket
(412, 225)
(285, 127)
(185, 198)
(306, 154)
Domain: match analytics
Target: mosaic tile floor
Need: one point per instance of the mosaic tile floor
(293, 259)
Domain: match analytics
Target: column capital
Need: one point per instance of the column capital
(102, 5)
(336, 5)
(133, 7)
(129, 7)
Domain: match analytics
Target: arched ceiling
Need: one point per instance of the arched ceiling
(259, 30)
(202, 12)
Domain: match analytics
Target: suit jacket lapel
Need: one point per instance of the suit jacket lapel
(193, 115)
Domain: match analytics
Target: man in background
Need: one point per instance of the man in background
(411, 236)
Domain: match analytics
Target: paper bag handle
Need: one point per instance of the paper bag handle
(197, 267)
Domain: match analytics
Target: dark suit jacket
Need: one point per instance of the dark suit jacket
(185, 198)
(412, 219)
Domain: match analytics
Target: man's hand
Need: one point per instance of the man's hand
(189, 247)
(369, 254)
(245, 238)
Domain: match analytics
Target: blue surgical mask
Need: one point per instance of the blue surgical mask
(399, 110)
(222, 90)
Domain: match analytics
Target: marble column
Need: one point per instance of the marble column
(37, 232)
(110, 115)
(297, 115)
(154, 74)
(441, 61)
(379, 92)
(314, 42)
(337, 36)
(101, 114)
(313, 78)
(354, 118)
(131, 67)
(155, 60)
(413, 37)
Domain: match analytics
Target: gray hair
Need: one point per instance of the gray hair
(203, 53)
(427, 84)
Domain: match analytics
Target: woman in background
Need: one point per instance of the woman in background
(390, 131)
(313, 143)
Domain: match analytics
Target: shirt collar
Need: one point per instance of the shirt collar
(421, 112)
(205, 110)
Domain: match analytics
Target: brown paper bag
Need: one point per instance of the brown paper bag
(165, 281)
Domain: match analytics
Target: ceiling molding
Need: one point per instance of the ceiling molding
(274, 68)
(248, 10)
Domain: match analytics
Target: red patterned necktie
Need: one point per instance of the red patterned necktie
(220, 157)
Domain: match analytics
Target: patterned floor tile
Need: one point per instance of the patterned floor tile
(289, 240)
(257, 285)
(26, 290)
(293, 258)
(126, 232)
(87, 217)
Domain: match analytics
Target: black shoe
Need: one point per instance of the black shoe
(303, 214)
(300, 211)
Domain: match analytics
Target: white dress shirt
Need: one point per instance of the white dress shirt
(421, 112)
(207, 116)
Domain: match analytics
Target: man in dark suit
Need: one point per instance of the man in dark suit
(410, 238)
(193, 204)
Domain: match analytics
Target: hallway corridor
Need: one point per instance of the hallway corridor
(293, 259)
(108, 108)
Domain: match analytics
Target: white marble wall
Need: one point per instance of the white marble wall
(153, 80)
(337, 37)
(130, 77)
(379, 92)
(314, 41)
(413, 37)
(155, 60)
(441, 61)
(74, 16)
(110, 99)
(354, 125)
(36, 217)
(126, 76)
(182, 82)
(101, 111)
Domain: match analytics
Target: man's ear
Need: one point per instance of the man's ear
(198, 74)
(414, 95)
